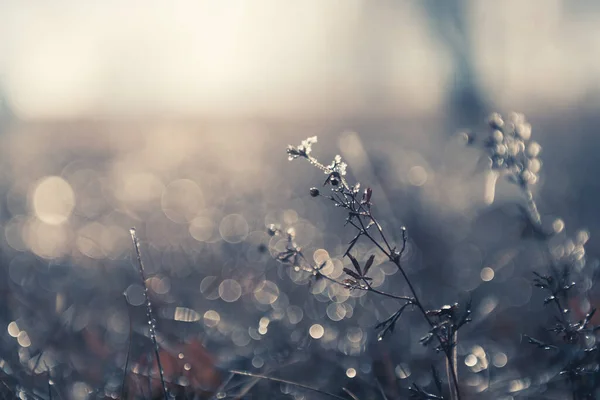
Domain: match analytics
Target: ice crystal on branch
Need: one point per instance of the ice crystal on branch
(338, 166)
(303, 150)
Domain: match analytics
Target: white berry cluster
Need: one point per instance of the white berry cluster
(511, 149)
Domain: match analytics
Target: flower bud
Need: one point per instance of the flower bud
(534, 149)
(498, 136)
(495, 121)
(272, 230)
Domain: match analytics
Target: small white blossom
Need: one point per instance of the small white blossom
(303, 150)
(511, 150)
(307, 143)
(534, 149)
(337, 165)
(498, 136)
(496, 121)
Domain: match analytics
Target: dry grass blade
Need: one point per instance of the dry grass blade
(300, 385)
(383, 395)
(354, 397)
(151, 323)
(123, 384)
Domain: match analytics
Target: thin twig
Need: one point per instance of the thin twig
(222, 386)
(246, 388)
(452, 368)
(395, 258)
(367, 287)
(345, 196)
(149, 313)
(300, 385)
(123, 388)
(383, 395)
(354, 397)
(532, 209)
(49, 383)
(6, 386)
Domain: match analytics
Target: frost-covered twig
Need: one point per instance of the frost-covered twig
(149, 313)
(443, 323)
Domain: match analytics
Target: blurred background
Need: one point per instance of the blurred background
(174, 118)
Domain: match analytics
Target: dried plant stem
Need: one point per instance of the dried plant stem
(383, 395)
(354, 397)
(451, 365)
(394, 256)
(300, 385)
(246, 388)
(222, 386)
(49, 386)
(7, 387)
(123, 384)
(532, 209)
(366, 288)
(452, 369)
(562, 309)
(361, 218)
(149, 313)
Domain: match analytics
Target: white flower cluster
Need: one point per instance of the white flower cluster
(570, 251)
(335, 171)
(511, 149)
(303, 150)
(337, 165)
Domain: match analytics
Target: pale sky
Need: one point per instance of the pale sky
(72, 58)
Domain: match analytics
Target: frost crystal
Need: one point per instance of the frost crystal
(337, 165)
(303, 150)
(307, 143)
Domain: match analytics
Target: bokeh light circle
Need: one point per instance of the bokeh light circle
(230, 290)
(234, 228)
(316, 331)
(53, 200)
(135, 294)
(181, 200)
(266, 292)
(211, 318)
(202, 228)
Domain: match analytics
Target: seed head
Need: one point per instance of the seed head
(496, 122)
(272, 230)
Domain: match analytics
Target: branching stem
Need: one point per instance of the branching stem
(361, 218)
